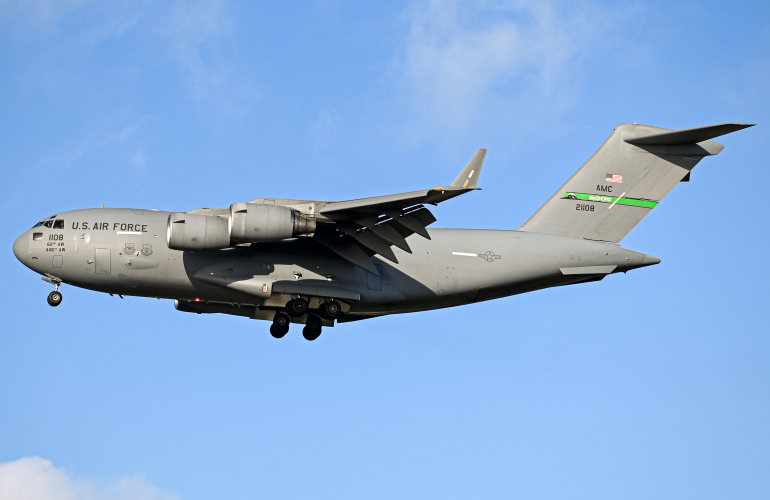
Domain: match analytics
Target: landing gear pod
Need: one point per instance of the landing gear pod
(251, 222)
(196, 232)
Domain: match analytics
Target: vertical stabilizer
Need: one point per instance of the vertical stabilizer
(626, 178)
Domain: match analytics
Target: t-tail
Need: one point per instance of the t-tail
(626, 178)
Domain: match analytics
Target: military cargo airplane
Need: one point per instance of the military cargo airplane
(319, 263)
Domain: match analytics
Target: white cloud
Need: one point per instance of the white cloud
(198, 35)
(50, 16)
(34, 478)
(125, 146)
(462, 57)
(39, 13)
(197, 31)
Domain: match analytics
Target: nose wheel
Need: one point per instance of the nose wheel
(54, 298)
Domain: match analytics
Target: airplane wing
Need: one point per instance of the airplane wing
(359, 229)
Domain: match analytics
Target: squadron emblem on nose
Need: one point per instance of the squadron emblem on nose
(146, 250)
(129, 249)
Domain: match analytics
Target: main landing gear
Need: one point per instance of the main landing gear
(55, 297)
(312, 328)
(298, 307)
(280, 326)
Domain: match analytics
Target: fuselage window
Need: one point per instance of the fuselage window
(58, 224)
(37, 236)
(48, 224)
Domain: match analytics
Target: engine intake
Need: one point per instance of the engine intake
(251, 222)
(197, 232)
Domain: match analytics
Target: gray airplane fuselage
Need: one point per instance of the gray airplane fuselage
(319, 263)
(124, 251)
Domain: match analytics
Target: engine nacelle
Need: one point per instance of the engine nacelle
(197, 232)
(251, 222)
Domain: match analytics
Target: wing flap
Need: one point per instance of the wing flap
(358, 229)
(373, 242)
(412, 225)
(389, 234)
(351, 252)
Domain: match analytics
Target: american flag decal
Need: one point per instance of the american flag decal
(618, 179)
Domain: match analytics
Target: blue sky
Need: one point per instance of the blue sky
(653, 384)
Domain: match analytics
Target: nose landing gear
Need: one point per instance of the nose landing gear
(55, 297)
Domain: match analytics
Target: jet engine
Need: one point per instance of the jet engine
(197, 232)
(251, 222)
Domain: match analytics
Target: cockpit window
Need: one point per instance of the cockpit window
(49, 223)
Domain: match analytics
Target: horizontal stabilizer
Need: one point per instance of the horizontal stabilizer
(687, 136)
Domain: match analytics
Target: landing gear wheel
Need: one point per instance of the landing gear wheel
(314, 323)
(54, 298)
(331, 309)
(310, 334)
(282, 320)
(313, 327)
(277, 331)
(280, 326)
(297, 307)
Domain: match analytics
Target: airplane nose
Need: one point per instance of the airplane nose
(21, 247)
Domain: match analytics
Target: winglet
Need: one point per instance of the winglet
(470, 174)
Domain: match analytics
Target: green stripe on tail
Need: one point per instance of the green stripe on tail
(633, 202)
